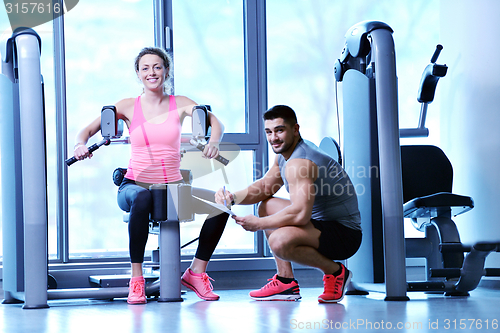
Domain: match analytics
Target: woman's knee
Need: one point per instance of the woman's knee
(142, 200)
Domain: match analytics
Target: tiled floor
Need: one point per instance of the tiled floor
(236, 312)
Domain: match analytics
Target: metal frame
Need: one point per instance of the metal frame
(62, 138)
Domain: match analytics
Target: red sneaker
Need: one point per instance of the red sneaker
(277, 291)
(335, 286)
(137, 291)
(200, 284)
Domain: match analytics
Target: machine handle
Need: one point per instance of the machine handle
(91, 149)
(219, 158)
(430, 77)
(435, 56)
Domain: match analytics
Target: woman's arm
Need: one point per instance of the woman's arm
(80, 150)
(185, 107)
(124, 110)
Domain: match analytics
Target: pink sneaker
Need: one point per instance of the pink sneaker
(200, 284)
(335, 286)
(137, 291)
(277, 291)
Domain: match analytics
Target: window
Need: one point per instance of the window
(208, 48)
(102, 41)
(208, 53)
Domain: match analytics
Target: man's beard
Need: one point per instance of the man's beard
(283, 148)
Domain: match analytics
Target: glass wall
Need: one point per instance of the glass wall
(100, 53)
(305, 38)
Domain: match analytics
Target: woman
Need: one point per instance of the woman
(154, 120)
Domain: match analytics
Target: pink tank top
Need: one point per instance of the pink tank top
(155, 148)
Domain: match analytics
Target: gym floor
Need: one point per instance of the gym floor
(236, 312)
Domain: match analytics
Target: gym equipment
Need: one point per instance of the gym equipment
(24, 180)
(372, 156)
(110, 129)
(428, 83)
(430, 204)
(171, 206)
(25, 272)
(200, 129)
(367, 68)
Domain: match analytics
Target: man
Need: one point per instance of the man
(319, 224)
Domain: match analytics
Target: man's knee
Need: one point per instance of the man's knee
(280, 245)
(263, 208)
(271, 206)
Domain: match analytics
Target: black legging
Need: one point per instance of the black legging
(137, 200)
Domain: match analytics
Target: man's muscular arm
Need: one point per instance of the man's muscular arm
(258, 191)
(300, 174)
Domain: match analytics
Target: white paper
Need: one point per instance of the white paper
(220, 207)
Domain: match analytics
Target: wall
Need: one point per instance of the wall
(469, 111)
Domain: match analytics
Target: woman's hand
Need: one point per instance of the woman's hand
(211, 150)
(81, 152)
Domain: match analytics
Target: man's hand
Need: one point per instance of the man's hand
(249, 222)
(219, 197)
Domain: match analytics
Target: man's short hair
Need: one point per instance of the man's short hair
(281, 111)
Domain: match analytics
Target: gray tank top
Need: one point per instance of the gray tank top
(335, 196)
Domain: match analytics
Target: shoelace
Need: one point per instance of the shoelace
(338, 285)
(206, 282)
(137, 288)
(273, 283)
(332, 287)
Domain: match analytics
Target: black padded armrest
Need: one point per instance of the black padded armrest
(436, 204)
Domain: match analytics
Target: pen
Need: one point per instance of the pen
(224, 189)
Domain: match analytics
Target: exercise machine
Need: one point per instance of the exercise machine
(431, 204)
(367, 68)
(24, 183)
(373, 159)
(171, 204)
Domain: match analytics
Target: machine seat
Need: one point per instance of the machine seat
(435, 205)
